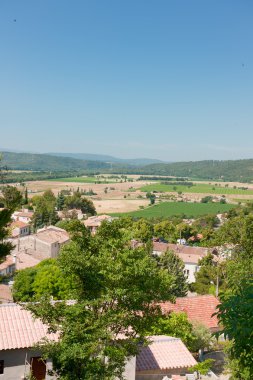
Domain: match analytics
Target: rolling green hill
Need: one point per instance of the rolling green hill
(43, 162)
(231, 170)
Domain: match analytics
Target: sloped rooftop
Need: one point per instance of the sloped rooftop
(199, 308)
(18, 328)
(164, 353)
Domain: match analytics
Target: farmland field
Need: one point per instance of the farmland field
(198, 188)
(189, 210)
(83, 180)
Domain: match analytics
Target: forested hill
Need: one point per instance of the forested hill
(109, 159)
(43, 162)
(236, 170)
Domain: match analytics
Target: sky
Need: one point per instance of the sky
(166, 79)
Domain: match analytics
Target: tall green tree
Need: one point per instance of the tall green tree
(5, 247)
(11, 197)
(143, 230)
(174, 324)
(236, 307)
(117, 290)
(60, 201)
(236, 317)
(175, 266)
(165, 230)
(45, 213)
(81, 203)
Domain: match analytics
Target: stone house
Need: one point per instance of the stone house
(189, 255)
(19, 332)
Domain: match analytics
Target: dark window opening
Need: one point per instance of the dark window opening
(1, 367)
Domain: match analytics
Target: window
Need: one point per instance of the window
(1, 367)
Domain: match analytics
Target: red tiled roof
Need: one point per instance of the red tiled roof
(198, 309)
(27, 214)
(164, 353)
(187, 249)
(18, 329)
(186, 253)
(18, 224)
(7, 262)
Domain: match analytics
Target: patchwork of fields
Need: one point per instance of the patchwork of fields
(126, 198)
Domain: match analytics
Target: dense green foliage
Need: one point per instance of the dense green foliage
(117, 289)
(236, 308)
(194, 335)
(203, 367)
(45, 278)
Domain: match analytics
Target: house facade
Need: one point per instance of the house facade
(24, 216)
(19, 229)
(189, 255)
(19, 332)
(45, 244)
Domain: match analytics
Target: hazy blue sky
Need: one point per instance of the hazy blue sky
(135, 78)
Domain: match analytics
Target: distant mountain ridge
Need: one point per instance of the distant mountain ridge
(108, 159)
(44, 162)
(228, 170)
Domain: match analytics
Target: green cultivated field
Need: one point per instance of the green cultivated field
(189, 210)
(198, 188)
(82, 180)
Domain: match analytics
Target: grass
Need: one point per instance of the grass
(189, 210)
(242, 200)
(198, 188)
(82, 180)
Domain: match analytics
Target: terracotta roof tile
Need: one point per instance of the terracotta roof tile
(18, 224)
(27, 214)
(186, 253)
(164, 353)
(7, 262)
(198, 309)
(18, 329)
